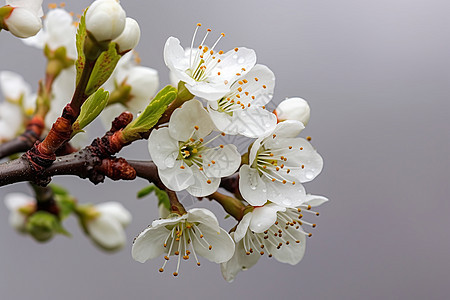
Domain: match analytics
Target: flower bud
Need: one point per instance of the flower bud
(23, 22)
(42, 226)
(107, 228)
(105, 20)
(130, 36)
(293, 109)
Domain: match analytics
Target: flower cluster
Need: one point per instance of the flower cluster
(92, 70)
(231, 93)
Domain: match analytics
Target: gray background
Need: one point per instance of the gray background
(376, 75)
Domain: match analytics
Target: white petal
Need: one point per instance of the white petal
(264, 217)
(226, 161)
(115, 210)
(163, 148)
(144, 84)
(252, 188)
(14, 201)
(204, 216)
(259, 91)
(201, 187)
(149, 244)
(172, 220)
(255, 122)
(223, 121)
(308, 157)
(287, 195)
(233, 63)
(184, 120)
(292, 253)
(207, 90)
(289, 128)
(222, 244)
(107, 231)
(315, 200)
(177, 178)
(239, 262)
(174, 55)
(254, 150)
(13, 86)
(242, 227)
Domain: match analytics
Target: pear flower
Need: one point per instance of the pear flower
(129, 38)
(278, 164)
(197, 232)
(207, 73)
(273, 230)
(242, 110)
(107, 228)
(293, 109)
(182, 156)
(105, 20)
(59, 31)
(131, 88)
(18, 204)
(24, 19)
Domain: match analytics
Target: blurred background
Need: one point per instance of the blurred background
(376, 75)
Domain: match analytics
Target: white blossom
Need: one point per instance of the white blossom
(197, 232)
(182, 156)
(278, 164)
(207, 73)
(273, 230)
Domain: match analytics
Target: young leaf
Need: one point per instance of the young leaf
(103, 69)
(81, 36)
(90, 110)
(152, 113)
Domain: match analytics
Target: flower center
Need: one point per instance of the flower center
(179, 243)
(281, 233)
(240, 97)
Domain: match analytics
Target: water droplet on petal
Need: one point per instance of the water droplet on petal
(309, 175)
(241, 60)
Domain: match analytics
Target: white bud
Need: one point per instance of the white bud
(107, 229)
(293, 109)
(23, 22)
(105, 20)
(129, 37)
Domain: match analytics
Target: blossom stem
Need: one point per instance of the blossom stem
(231, 205)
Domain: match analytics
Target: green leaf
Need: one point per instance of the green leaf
(152, 113)
(66, 205)
(81, 37)
(163, 198)
(58, 190)
(103, 68)
(90, 110)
